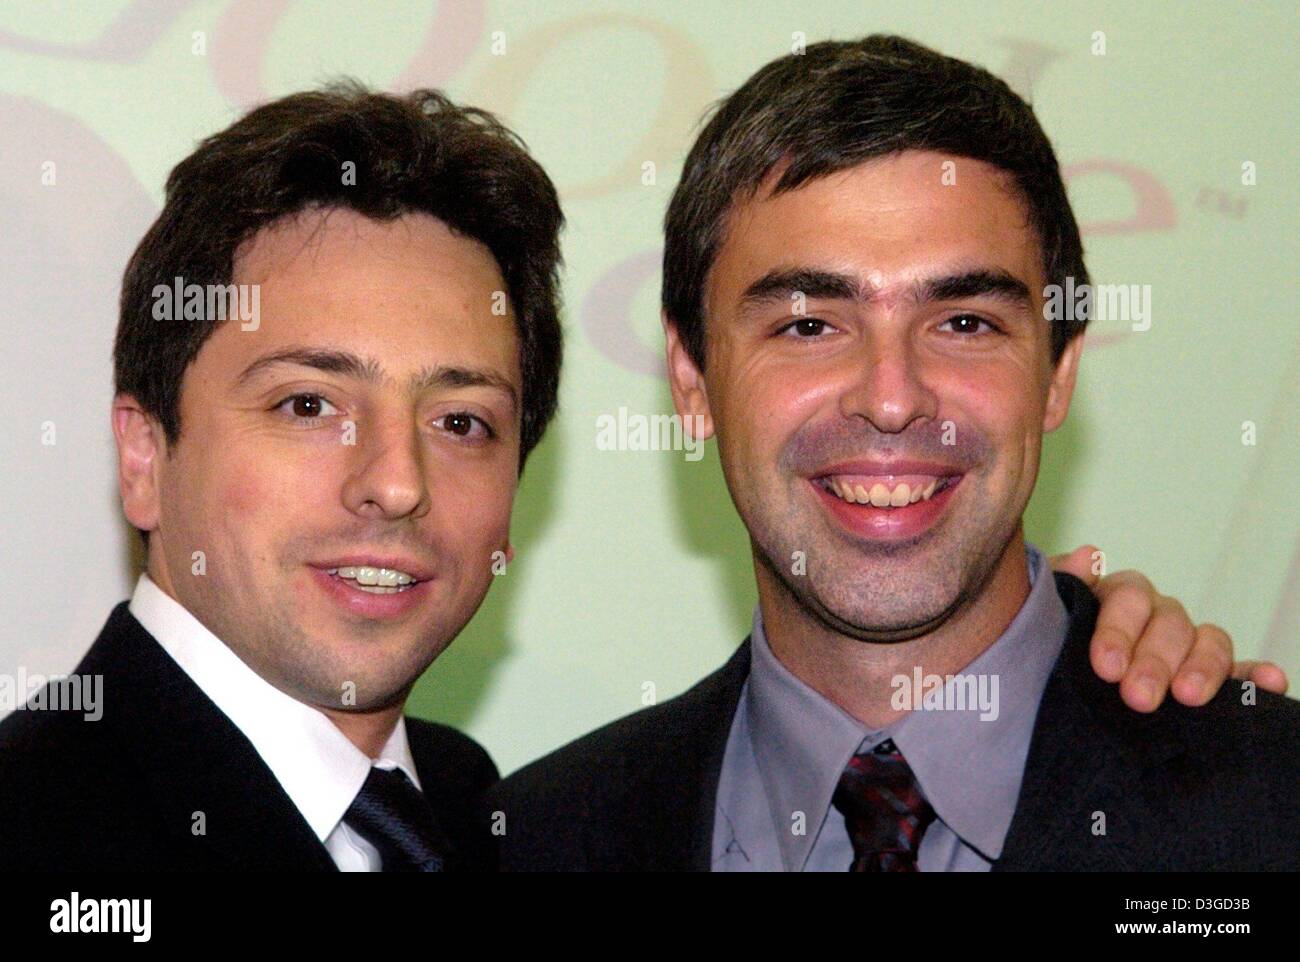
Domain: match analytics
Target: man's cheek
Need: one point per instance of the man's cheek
(245, 494)
(261, 511)
(497, 519)
(1032, 451)
(487, 531)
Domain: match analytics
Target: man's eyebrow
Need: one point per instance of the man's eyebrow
(321, 359)
(372, 372)
(982, 282)
(781, 284)
(444, 375)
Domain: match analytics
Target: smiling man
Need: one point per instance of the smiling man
(857, 261)
(325, 484)
(361, 473)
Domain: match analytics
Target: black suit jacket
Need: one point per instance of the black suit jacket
(120, 793)
(1216, 787)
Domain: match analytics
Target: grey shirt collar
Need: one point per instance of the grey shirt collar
(969, 768)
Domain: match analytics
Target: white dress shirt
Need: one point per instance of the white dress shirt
(319, 768)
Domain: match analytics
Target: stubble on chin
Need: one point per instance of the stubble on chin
(882, 592)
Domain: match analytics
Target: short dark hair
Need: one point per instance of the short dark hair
(837, 105)
(418, 153)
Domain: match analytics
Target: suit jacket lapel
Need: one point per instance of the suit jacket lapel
(1087, 753)
(191, 759)
(672, 778)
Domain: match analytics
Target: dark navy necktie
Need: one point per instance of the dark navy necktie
(883, 809)
(394, 816)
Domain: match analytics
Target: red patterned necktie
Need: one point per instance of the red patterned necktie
(883, 809)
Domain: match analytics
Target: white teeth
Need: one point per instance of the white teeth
(902, 494)
(368, 577)
(861, 492)
(929, 489)
(917, 494)
(879, 495)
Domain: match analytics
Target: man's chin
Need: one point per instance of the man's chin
(338, 669)
(885, 605)
(354, 694)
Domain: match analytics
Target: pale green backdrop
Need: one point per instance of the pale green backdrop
(632, 578)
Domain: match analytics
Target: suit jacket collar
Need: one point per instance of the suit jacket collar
(320, 769)
(715, 701)
(191, 760)
(669, 780)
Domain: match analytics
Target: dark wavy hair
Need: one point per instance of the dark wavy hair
(837, 105)
(414, 153)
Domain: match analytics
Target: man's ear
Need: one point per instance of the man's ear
(141, 446)
(1061, 388)
(690, 397)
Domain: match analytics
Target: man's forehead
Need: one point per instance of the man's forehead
(932, 168)
(304, 234)
(333, 277)
(323, 241)
(902, 185)
(888, 221)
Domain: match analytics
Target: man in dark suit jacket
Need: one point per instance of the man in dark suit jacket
(121, 792)
(858, 299)
(322, 465)
(299, 581)
(1182, 789)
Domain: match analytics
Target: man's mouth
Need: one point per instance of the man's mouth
(878, 501)
(886, 491)
(375, 581)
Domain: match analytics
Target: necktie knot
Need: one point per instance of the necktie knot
(395, 817)
(883, 809)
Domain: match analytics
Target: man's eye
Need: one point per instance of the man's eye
(968, 324)
(465, 425)
(806, 327)
(308, 407)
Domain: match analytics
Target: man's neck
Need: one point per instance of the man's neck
(370, 730)
(856, 675)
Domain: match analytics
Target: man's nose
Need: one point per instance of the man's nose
(887, 384)
(387, 477)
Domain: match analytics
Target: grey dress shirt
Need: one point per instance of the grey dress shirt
(788, 746)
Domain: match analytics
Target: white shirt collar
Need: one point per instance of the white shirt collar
(315, 763)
